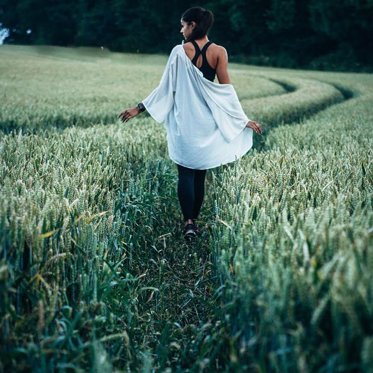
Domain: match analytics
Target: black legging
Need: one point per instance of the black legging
(190, 190)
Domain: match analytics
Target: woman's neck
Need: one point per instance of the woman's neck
(205, 39)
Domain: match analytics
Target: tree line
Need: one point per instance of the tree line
(322, 34)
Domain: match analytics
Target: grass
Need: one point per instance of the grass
(94, 275)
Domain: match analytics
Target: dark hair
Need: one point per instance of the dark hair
(203, 18)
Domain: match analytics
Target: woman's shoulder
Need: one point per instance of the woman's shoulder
(176, 50)
(219, 49)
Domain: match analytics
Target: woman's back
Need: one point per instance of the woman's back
(207, 70)
(216, 58)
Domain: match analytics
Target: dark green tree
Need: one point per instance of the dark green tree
(293, 33)
(348, 23)
(40, 21)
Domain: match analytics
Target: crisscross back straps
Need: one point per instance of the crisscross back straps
(200, 52)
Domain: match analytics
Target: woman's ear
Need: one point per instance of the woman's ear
(193, 24)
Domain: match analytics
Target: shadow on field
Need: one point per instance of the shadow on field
(286, 86)
(53, 123)
(297, 117)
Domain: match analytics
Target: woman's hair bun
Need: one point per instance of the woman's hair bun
(203, 18)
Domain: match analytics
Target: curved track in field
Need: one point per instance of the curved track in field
(304, 98)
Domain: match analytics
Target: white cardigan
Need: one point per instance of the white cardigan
(205, 122)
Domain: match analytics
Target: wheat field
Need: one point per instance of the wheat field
(94, 273)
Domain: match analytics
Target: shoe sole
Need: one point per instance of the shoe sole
(190, 235)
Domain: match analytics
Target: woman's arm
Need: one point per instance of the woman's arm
(160, 101)
(223, 77)
(222, 66)
(128, 114)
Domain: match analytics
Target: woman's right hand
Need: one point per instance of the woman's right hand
(255, 126)
(128, 114)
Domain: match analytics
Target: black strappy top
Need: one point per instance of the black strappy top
(207, 71)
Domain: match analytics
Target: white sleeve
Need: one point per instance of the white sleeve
(161, 100)
(226, 109)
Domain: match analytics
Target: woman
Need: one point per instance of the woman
(206, 126)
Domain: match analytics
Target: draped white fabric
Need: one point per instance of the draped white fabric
(205, 122)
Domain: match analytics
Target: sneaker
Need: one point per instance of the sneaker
(190, 231)
(196, 228)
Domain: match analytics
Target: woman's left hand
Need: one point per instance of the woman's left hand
(255, 126)
(128, 114)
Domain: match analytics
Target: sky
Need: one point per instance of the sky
(3, 34)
